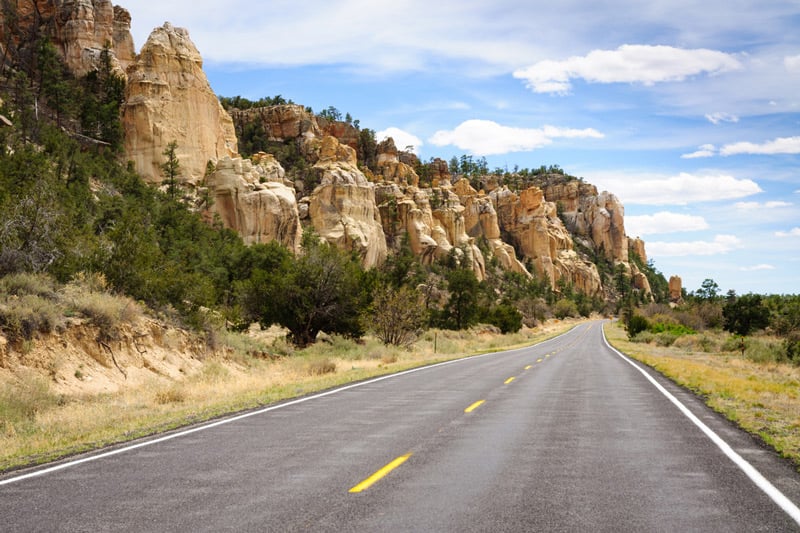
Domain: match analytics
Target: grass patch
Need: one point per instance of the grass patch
(757, 391)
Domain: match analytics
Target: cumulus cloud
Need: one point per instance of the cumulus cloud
(485, 137)
(794, 232)
(663, 222)
(682, 189)
(721, 244)
(706, 150)
(751, 206)
(756, 268)
(781, 145)
(627, 64)
(716, 118)
(401, 138)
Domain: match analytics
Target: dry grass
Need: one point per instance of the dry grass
(761, 397)
(52, 426)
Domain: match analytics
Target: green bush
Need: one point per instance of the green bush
(792, 347)
(635, 325)
(565, 308)
(506, 317)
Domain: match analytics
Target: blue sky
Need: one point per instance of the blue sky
(688, 111)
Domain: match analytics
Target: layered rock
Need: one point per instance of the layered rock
(534, 225)
(637, 248)
(342, 207)
(480, 220)
(252, 199)
(79, 29)
(391, 168)
(598, 217)
(280, 123)
(168, 98)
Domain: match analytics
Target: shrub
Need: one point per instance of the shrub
(21, 318)
(565, 308)
(321, 367)
(635, 325)
(644, 337)
(506, 317)
(792, 347)
(28, 284)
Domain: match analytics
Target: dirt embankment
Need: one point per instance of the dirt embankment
(83, 359)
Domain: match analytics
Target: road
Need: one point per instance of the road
(566, 435)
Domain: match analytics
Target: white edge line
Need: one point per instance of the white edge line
(110, 453)
(755, 476)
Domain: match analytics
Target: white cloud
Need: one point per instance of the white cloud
(792, 63)
(401, 138)
(750, 206)
(627, 64)
(706, 150)
(756, 268)
(682, 189)
(794, 232)
(721, 244)
(485, 137)
(781, 145)
(663, 222)
(716, 118)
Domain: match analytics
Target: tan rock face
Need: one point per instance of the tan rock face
(542, 237)
(168, 98)
(391, 168)
(345, 133)
(433, 221)
(675, 289)
(281, 122)
(637, 248)
(79, 29)
(480, 220)
(598, 217)
(342, 208)
(253, 200)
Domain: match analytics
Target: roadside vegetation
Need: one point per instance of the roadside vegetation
(40, 424)
(740, 353)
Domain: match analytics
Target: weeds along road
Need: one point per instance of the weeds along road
(563, 436)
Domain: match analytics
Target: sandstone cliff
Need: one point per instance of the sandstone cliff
(251, 198)
(79, 29)
(168, 98)
(342, 207)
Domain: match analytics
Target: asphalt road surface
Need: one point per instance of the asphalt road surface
(563, 436)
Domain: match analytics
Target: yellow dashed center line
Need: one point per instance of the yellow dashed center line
(380, 474)
(528, 367)
(509, 380)
(474, 406)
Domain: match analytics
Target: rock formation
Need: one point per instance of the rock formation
(342, 207)
(79, 29)
(600, 218)
(281, 122)
(168, 98)
(252, 199)
(675, 289)
(534, 225)
(637, 248)
(390, 166)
